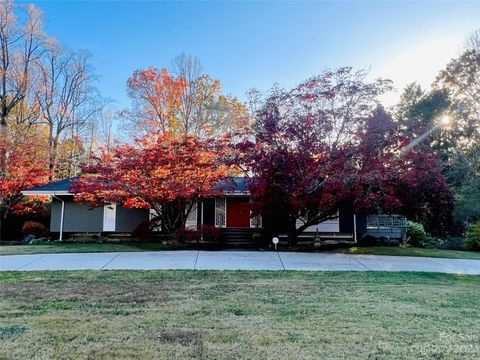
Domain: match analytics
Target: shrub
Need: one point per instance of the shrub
(432, 242)
(368, 240)
(416, 234)
(144, 230)
(257, 237)
(418, 237)
(472, 241)
(453, 242)
(207, 233)
(186, 235)
(211, 233)
(34, 228)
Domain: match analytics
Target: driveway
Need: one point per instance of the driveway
(234, 260)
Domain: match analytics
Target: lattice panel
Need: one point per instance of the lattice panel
(220, 212)
(256, 221)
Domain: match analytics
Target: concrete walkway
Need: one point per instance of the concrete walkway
(234, 260)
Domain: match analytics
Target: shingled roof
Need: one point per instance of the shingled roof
(235, 184)
(62, 187)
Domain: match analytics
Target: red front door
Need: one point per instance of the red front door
(238, 212)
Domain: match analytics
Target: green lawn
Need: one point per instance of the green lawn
(399, 251)
(56, 247)
(238, 315)
(67, 247)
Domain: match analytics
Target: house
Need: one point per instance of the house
(230, 212)
(68, 216)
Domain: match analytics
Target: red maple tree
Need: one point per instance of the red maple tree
(24, 168)
(325, 146)
(158, 172)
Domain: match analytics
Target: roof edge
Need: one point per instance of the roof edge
(45, 192)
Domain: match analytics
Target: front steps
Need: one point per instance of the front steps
(240, 238)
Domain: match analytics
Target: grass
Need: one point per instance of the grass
(68, 247)
(238, 315)
(400, 251)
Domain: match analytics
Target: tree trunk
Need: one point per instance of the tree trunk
(3, 159)
(292, 233)
(51, 166)
(3, 217)
(52, 161)
(3, 151)
(1, 223)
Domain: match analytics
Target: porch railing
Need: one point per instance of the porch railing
(386, 221)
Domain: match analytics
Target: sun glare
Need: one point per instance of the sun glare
(445, 120)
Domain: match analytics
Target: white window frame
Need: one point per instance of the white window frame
(109, 217)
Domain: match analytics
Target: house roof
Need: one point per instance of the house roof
(234, 184)
(62, 187)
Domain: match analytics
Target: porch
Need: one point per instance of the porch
(225, 212)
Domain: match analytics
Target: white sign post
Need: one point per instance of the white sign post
(275, 241)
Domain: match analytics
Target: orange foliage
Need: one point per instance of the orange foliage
(158, 96)
(160, 170)
(24, 167)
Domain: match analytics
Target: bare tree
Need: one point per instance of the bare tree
(189, 68)
(473, 41)
(107, 129)
(66, 96)
(20, 46)
(100, 131)
(203, 106)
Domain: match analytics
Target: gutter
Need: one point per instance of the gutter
(47, 193)
(53, 194)
(355, 227)
(62, 215)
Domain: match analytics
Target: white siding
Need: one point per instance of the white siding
(191, 222)
(331, 225)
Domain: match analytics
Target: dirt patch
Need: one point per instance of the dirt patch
(180, 336)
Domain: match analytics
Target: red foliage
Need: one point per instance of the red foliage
(34, 228)
(23, 169)
(187, 235)
(31, 206)
(211, 231)
(158, 172)
(207, 232)
(143, 231)
(318, 149)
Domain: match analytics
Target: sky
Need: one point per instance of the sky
(257, 44)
